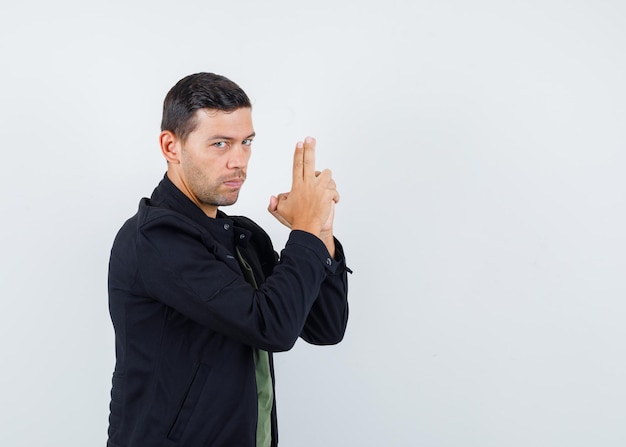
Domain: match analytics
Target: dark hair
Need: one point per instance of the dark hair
(199, 91)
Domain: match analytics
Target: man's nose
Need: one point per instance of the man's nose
(238, 157)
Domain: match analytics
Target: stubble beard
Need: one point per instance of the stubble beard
(212, 193)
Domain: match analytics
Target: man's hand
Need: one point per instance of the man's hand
(310, 205)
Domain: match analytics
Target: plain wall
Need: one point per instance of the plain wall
(479, 148)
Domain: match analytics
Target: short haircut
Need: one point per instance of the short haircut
(195, 92)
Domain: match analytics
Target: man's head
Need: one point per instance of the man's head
(195, 92)
(206, 139)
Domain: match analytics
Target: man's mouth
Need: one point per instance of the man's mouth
(234, 183)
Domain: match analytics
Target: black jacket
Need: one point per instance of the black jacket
(186, 321)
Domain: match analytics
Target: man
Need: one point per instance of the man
(200, 300)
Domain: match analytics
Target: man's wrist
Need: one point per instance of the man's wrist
(329, 240)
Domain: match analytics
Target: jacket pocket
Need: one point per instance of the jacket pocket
(189, 403)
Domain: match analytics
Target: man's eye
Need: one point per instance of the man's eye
(247, 142)
(220, 144)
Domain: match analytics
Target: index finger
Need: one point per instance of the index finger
(298, 162)
(304, 159)
(308, 169)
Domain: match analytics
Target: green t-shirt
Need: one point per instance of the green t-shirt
(265, 398)
(265, 393)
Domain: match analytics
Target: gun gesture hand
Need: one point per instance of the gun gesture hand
(310, 204)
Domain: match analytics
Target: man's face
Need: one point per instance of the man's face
(214, 157)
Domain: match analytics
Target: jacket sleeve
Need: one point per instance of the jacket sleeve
(182, 267)
(327, 321)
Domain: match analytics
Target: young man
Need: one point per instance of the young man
(200, 300)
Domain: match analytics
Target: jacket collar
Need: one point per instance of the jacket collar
(167, 195)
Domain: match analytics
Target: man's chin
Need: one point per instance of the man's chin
(227, 201)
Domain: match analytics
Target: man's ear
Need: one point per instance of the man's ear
(170, 146)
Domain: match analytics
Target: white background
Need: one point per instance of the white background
(479, 148)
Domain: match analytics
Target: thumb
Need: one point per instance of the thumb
(273, 204)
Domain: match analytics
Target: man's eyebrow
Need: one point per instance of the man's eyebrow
(225, 137)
